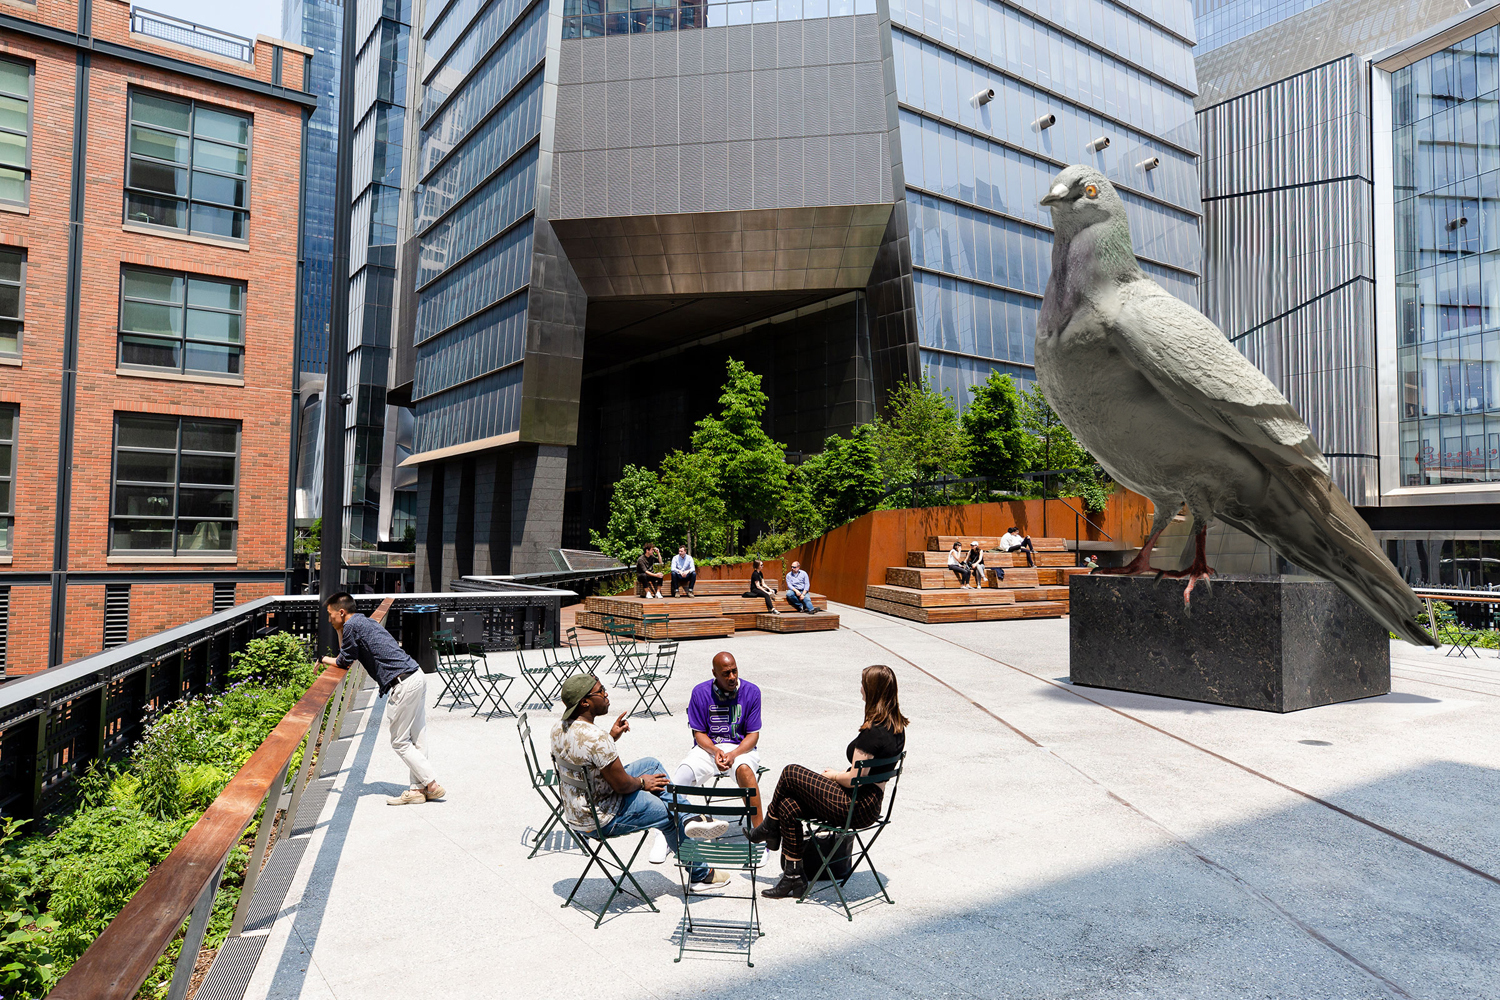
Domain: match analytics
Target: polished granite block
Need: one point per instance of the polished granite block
(1274, 643)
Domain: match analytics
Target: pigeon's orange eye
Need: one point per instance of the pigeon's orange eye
(1092, 190)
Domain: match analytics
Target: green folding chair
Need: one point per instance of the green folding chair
(650, 682)
(588, 663)
(495, 685)
(624, 645)
(456, 666)
(864, 783)
(545, 783)
(597, 846)
(685, 802)
(561, 669)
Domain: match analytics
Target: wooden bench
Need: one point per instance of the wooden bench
(793, 621)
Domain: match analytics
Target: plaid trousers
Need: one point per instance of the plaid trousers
(803, 794)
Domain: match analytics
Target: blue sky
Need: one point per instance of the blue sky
(242, 17)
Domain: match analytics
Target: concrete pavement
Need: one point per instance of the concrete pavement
(1049, 842)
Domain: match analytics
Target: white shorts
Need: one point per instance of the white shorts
(702, 762)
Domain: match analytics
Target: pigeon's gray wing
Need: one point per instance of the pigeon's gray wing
(1191, 363)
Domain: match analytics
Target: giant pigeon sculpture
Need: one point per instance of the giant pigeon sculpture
(1166, 404)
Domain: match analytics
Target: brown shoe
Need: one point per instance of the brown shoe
(434, 791)
(409, 797)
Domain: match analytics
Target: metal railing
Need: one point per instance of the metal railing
(55, 723)
(197, 36)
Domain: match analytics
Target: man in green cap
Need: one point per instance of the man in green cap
(628, 797)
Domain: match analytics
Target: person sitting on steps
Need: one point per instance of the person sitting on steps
(797, 587)
(977, 567)
(958, 567)
(1014, 541)
(684, 571)
(650, 581)
(802, 794)
(758, 588)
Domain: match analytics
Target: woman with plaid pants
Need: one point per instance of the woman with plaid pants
(802, 794)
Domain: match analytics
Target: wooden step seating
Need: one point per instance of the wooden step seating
(796, 621)
(710, 588)
(924, 590)
(700, 617)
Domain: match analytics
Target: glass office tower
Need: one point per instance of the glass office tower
(613, 199)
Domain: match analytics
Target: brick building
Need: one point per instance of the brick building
(150, 189)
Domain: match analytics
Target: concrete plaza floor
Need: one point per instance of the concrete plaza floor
(1048, 842)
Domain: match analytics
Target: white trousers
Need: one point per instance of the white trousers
(406, 708)
(702, 765)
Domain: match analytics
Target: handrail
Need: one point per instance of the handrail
(118, 961)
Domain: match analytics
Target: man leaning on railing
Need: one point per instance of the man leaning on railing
(398, 676)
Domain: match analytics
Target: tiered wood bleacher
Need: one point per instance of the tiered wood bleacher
(718, 609)
(925, 591)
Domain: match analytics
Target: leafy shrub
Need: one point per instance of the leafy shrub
(276, 659)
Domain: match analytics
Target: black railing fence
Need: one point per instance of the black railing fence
(55, 723)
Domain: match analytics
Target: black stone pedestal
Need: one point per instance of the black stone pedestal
(1274, 643)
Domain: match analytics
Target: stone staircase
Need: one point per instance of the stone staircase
(925, 591)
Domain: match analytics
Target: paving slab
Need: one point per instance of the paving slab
(1049, 842)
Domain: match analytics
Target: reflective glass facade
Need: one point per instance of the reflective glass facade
(1446, 120)
(981, 244)
(595, 18)
(481, 114)
(1220, 22)
(318, 25)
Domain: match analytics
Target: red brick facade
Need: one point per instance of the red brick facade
(263, 405)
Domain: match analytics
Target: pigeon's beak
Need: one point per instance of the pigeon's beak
(1057, 194)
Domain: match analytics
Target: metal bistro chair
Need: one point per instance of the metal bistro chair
(561, 669)
(597, 846)
(624, 645)
(588, 663)
(862, 784)
(544, 782)
(455, 666)
(538, 678)
(651, 681)
(495, 684)
(731, 804)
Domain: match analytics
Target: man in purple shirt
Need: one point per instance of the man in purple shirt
(724, 715)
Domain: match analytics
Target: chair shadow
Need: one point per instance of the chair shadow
(595, 890)
(558, 841)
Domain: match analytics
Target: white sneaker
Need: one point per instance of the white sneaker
(659, 849)
(705, 829)
(717, 879)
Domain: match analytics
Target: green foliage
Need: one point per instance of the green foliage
(309, 540)
(634, 514)
(841, 482)
(274, 660)
(749, 467)
(920, 436)
(59, 891)
(1055, 447)
(1450, 631)
(999, 446)
(692, 503)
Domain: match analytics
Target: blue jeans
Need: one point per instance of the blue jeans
(642, 810)
(801, 603)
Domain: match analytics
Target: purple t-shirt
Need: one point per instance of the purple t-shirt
(725, 721)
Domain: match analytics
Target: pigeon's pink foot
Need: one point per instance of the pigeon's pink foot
(1199, 570)
(1138, 566)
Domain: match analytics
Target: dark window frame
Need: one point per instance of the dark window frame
(8, 476)
(176, 518)
(182, 340)
(20, 317)
(30, 98)
(187, 200)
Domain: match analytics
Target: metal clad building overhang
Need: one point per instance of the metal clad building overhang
(1439, 37)
(786, 249)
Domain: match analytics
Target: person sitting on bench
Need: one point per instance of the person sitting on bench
(958, 566)
(758, 588)
(797, 586)
(803, 794)
(1014, 541)
(684, 571)
(650, 581)
(977, 567)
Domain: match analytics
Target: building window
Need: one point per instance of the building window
(181, 322)
(174, 485)
(12, 300)
(15, 131)
(223, 596)
(189, 167)
(7, 476)
(116, 614)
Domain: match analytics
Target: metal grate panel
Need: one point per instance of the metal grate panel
(223, 596)
(4, 627)
(116, 614)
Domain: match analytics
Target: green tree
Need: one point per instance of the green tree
(1055, 447)
(843, 480)
(920, 436)
(750, 467)
(999, 446)
(692, 505)
(634, 515)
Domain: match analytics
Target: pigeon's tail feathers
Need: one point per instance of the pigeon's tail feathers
(1309, 521)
